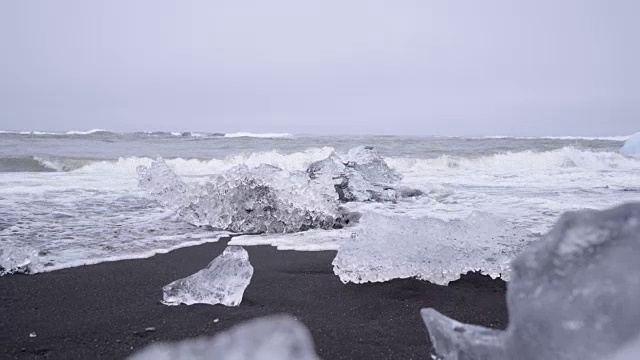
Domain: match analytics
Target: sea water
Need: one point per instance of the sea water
(68, 199)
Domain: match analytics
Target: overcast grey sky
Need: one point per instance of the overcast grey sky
(466, 67)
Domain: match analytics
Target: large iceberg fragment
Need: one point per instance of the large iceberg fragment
(574, 294)
(395, 247)
(264, 199)
(631, 351)
(632, 145)
(278, 337)
(362, 175)
(223, 281)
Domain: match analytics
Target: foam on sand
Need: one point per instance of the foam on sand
(311, 240)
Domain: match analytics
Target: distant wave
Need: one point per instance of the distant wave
(29, 132)
(88, 132)
(94, 132)
(153, 134)
(610, 138)
(72, 132)
(258, 135)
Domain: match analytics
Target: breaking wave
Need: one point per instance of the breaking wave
(524, 161)
(39, 164)
(561, 159)
(290, 162)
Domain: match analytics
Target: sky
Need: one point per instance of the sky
(465, 67)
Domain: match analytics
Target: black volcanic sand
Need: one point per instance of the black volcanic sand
(101, 311)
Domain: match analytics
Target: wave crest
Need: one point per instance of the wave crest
(567, 157)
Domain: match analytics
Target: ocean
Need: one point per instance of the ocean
(68, 199)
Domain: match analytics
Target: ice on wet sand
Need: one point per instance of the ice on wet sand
(573, 295)
(396, 247)
(223, 281)
(278, 337)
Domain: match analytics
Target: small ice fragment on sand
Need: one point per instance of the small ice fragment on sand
(33, 334)
(223, 281)
(216, 320)
(573, 295)
(278, 337)
(397, 247)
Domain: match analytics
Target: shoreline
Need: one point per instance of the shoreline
(102, 310)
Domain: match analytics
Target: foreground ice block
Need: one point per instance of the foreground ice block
(632, 145)
(573, 295)
(396, 247)
(223, 281)
(279, 337)
(264, 199)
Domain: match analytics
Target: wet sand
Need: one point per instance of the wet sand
(101, 311)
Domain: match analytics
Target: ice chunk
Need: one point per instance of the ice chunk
(574, 295)
(329, 167)
(223, 281)
(278, 337)
(259, 200)
(630, 351)
(17, 260)
(367, 161)
(396, 247)
(632, 145)
(449, 336)
(362, 176)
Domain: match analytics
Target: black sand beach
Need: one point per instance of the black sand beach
(101, 311)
